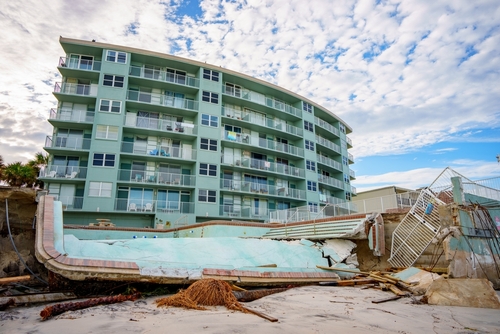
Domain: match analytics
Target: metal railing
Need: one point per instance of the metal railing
(330, 181)
(161, 75)
(265, 122)
(70, 203)
(350, 157)
(160, 124)
(488, 188)
(75, 116)
(331, 145)
(349, 141)
(260, 99)
(329, 162)
(264, 143)
(242, 211)
(156, 177)
(262, 189)
(65, 172)
(80, 64)
(162, 100)
(70, 143)
(327, 126)
(352, 174)
(158, 150)
(263, 165)
(152, 206)
(74, 88)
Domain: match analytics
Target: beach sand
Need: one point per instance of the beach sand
(307, 309)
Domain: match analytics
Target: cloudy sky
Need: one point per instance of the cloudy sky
(418, 81)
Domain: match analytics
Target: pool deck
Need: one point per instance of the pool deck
(179, 260)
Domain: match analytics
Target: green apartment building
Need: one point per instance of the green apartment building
(141, 136)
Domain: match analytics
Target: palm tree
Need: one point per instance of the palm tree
(36, 164)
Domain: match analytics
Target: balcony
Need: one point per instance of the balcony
(329, 162)
(327, 126)
(264, 143)
(160, 151)
(239, 211)
(152, 206)
(351, 158)
(324, 199)
(70, 203)
(349, 142)
(352, 174)
(73, 116)
(80, 64)
(262, 100)
(263, 122)
(162, 100)
(262, 189)
(67, 143)
(160, 125)
(75, 89)
(67, 173)
(163, 76)
(330, 181)
(263, 165)
(156, 178)
(326, 143)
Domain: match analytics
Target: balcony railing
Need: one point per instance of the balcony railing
(70, 143)
(330, 199)
(349, 141)
(159, 150)
(325, 142)
(65, 172)
(330, 181)
(145, 206)
(75, 89)
(350, 157)
(352, 174)
(240, 211)
(160, 124)
(162, 100)
(80, 64)
(75, 116)
(327, 126)
(263, 189)
(70, 203)
(139, 71)
(263, 165)
(265, 122)
(264, 143)
(156, 177)
(329, 162)
(261, 99)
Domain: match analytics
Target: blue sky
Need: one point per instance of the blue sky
(418, 81)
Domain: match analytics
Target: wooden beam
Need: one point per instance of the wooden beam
(9, 280)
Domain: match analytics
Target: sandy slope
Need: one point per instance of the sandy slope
(311, 309)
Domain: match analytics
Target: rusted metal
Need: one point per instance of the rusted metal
(56, 309)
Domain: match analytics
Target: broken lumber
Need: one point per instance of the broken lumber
(354, 271)
(386, 299)
(348, 282)
(43, 297)
(260, 314)
(9, 280)
(394, 289)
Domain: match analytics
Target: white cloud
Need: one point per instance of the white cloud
(421, 71)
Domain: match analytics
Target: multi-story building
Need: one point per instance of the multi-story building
(141, 136)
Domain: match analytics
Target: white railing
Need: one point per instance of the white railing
(327, 126)
(160, 124)
(75, 116)
(162, 100)
(80, 64)
(75, 88)
(264, 143)
(329, 162)
(263, 189)
(161, 75)
(331, 145)
(152, 206)
(71, 143)
(158, 150)
(156, 177)
(330, 181)
(65, 172)
(488, 188)
(262, 165)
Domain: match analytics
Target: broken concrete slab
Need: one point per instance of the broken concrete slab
(338, 249)
(420, 278)
(466, 292)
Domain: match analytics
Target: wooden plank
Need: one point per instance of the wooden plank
(39, 297)
(9, 280)
(386, 299)
(344, 270)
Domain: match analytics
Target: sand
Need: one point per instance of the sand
(308, 309)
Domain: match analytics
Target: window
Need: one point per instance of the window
(307, 107)
(208, 169)
(209, 120)
(342, 127)
(308, 126)
(107, 132)
(233, 89)
(210, 97)
(347, 179)
(113, 80)
(100, 189)
(209, 196)
(103, 160)
(110, 106)
(312, 186)
(309, 145)
(348, 196)
(116, 56)
(208, 144)
(210, 75)
(313, 207)
(345, 161)
(311, 165)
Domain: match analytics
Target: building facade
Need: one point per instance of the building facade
(141, 136)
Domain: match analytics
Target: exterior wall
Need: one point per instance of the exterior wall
(157, 140)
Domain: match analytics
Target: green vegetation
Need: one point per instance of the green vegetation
(17, 174)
